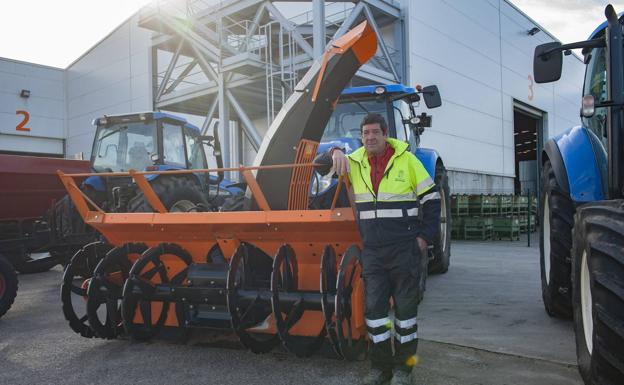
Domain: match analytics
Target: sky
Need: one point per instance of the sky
(57, 32)
(567, 20)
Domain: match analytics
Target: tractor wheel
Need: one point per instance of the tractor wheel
(177, 193)
(8, 285)
(29, 265)
(598, 291)
(69, 232)
(442, 245)
(557, 220)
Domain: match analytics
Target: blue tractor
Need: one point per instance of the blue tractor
(582, 205)
(149, 141)
(155, 141)
(397, 103)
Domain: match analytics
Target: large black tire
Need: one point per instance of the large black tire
(28, 265)
(441, 260)
(8, 285)
(598, 291)
(69, 232)
(557, 220)
(177, 193)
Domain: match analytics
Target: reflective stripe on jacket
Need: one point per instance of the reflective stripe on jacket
(392, 214)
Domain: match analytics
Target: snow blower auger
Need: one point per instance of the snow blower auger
(289, 276)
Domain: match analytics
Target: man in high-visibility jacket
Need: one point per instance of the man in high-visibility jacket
(398, 207)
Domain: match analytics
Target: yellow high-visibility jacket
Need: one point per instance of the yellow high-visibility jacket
(392, 214)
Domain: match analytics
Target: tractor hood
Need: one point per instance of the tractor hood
(307, 111)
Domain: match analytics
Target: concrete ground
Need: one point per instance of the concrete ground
(481, 323)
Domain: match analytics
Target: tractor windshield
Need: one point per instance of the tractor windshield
(346, 119)
(596, 85)
(124, 146)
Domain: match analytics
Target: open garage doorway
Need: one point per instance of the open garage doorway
(529, 133)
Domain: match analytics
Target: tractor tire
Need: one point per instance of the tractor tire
(177, 193)
(557, 220)
(441, 260)
(28, 265)
(8, 285)
(598, 291)
(69, 232)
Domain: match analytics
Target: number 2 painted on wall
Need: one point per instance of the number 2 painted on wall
(22, 125)
(530, 87)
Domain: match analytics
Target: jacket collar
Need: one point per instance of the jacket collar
(399, 147)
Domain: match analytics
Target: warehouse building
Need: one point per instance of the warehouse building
(239, 60)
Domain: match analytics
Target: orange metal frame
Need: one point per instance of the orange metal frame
(306, 231)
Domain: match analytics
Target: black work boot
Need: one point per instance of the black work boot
(401, 377)
(376, 377)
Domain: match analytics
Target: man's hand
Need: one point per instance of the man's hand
(340, 162)
(422, 244)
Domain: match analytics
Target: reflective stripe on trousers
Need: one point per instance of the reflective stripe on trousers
(407, 338)
(380, 337)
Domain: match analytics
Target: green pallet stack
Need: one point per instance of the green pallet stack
(482, 205)
(478, 228)
(520, 204)
(505, 204)
(506, 227)
(459, 205)
(483, 217)
(457, 228)
(524, 219)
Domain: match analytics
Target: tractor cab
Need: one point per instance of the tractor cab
(146, 141)
(151, 141)
(395, 102)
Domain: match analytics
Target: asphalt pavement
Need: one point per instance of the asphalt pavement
(481, 323)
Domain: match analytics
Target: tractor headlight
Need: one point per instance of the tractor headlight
(320, 183)
(380, 90)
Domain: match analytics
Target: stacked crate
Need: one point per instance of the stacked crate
(459, 210)
(507, 227)
(521, 210)
(506, 224)
(483, 217)
(482, 205)
(478, 228)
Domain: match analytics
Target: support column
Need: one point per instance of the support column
(318, 27)
(235, 155)
(224, 107)
(224, 123)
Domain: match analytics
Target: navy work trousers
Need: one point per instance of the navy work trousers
(395, 271)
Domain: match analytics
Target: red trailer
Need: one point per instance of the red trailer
(29, 186)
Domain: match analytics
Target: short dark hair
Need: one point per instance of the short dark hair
(374, 118)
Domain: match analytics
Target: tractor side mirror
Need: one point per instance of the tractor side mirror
(432, 96)
(547, 62)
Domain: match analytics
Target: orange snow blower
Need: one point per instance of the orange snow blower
(279, 272)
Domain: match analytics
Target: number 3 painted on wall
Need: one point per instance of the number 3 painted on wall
(530, 87)
(22, 125)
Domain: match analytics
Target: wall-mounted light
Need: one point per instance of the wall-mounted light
(25, 94)
(533, 31)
